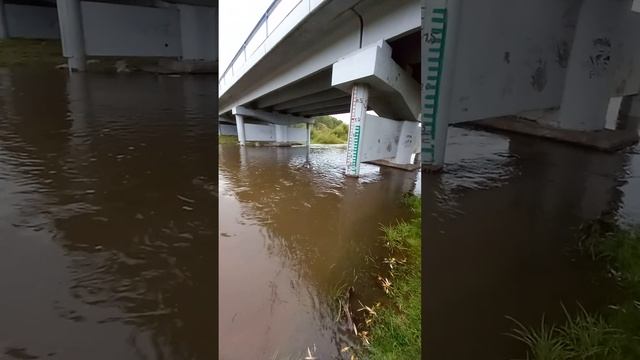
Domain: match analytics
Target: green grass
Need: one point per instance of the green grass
(24, 52)
(395, 332)
(612, 333)
(227, 139)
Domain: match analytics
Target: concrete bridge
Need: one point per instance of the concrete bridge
(562, 69)
(307, 58)
(184, 30)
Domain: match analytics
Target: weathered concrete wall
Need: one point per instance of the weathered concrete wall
(604, 63)
(123, 30)
(199, 32)
(511, 56)
(226, 129)
(32, 22)
(259, 132)
(381, 137)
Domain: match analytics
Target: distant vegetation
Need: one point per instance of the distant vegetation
(329, 130)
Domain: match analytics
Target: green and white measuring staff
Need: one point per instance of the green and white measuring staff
(359, 100)
(434, 36)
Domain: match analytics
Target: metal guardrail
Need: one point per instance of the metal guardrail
(277, 13)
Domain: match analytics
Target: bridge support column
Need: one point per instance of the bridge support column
(308, 141)
(281, 133)
(240, 125)
(603, 41)
(359, 101)
(4, 29)
(72, 33)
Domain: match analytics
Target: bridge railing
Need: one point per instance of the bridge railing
(279, 19)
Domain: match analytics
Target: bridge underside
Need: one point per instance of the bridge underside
(184, 30)
(305, 77)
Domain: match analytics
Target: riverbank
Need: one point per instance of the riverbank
(611, 333)
(26, 52)
(227, 139)
(395, 331)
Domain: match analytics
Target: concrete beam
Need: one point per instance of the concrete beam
(344, 101)
(313, 84)
(393, 91)
(311, 99)
(327, 111)
(271, 117)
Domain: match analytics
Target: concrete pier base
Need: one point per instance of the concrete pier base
(603, 140)
(406, 167)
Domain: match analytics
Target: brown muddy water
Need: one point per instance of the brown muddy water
(290, 236)
(500, 241)
(107, 216)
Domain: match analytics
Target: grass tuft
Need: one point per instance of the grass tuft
(609, 334)
(395, 332)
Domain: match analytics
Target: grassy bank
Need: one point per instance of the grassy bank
(395, 331)
(17, 52)
(227, 139)
(25, 52)
(612, 333)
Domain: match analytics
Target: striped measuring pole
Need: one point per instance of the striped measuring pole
(359, 100)
(434, 34)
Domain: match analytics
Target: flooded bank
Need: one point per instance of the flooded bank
(107, 215)
(292, 237)
(501, 223)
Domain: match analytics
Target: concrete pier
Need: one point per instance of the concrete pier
(72, 34)
(242, 139)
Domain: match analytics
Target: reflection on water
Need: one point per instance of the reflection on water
(107, 216)
(290, 234)
(500, 221)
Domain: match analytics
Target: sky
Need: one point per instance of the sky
(237, 19)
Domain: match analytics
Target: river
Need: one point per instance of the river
(291, 234)
(108, 216)
(501, 223)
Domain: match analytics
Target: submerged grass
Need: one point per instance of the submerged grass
(395, 332)
(24, 52)
(613, 333)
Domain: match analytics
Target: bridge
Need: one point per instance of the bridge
(566, 70)
(308, 58)
(183, 30)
